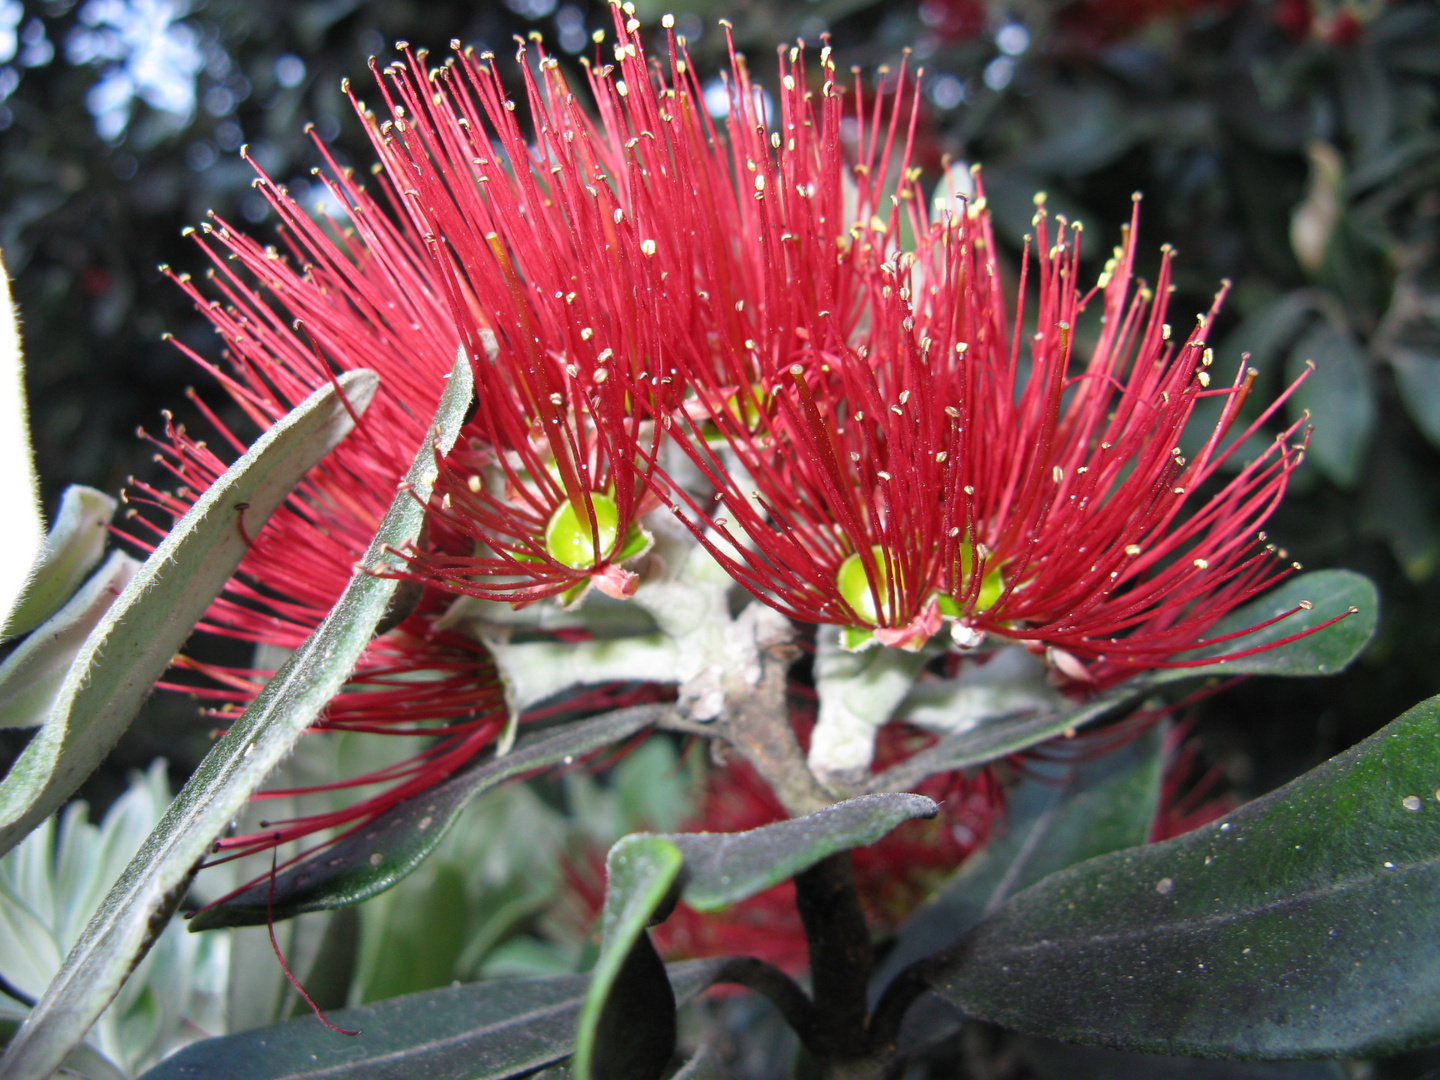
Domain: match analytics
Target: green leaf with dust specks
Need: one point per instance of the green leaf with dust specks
(121, 931)
(1054, 819)
(1301, 925)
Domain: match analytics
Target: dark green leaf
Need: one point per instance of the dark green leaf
(640, 872)
(1303, 925)
(72, 549)
(1399, 509)
(142, 630)
(1265, 333)
(1418, 376)
(635, 1033)
(403, 837)
(121, 931)
(1330, 593)
(1054, 820)
(1052, 1060)
(724, 868)
(478, 1031)
(1340, 397)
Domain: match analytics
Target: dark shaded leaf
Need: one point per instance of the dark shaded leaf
(1054, 821)
(1418, 376)
(1065, 1061)
(635, 1034)
(724, 868)
(403, 837)
(121, 932)
(1327, 652)
(1340, 397)
(478, 1031)
(1399, 509)
(1303, 925)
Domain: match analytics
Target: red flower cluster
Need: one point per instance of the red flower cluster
(861, 427)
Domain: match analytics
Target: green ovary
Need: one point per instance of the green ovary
(855, 587)
(991, 587)
(568, 537)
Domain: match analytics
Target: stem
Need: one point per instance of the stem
(834, 1029)
(779, 989)
(839, 956)
(757, 724)
(895, 1002)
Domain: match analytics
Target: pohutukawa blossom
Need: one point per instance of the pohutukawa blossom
(893, 451)
(874, 435)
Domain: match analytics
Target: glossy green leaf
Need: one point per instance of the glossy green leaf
(1340, 397)
(614, 1042)
(71, 550)
(1054, 820)
(475, 1031)
(154, 882)
(144, 628)
(1330, 593)
(724, 868)
(31, 676)
(1302, 925)
(370, 861)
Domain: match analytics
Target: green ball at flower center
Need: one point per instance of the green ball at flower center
(854, 586)
(568, 538)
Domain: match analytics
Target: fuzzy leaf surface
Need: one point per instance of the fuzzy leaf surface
(71, 550)
(32, 675)
(1326, 652)
(19, 486)
(478, 1031)
(121, 931)
(138, 636)
(1301, 926)
(722, 869)
(349, 872)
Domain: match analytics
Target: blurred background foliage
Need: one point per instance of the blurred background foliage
(1291, 147)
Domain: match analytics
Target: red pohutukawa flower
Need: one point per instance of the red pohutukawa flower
(872, 436)
(894, 451)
